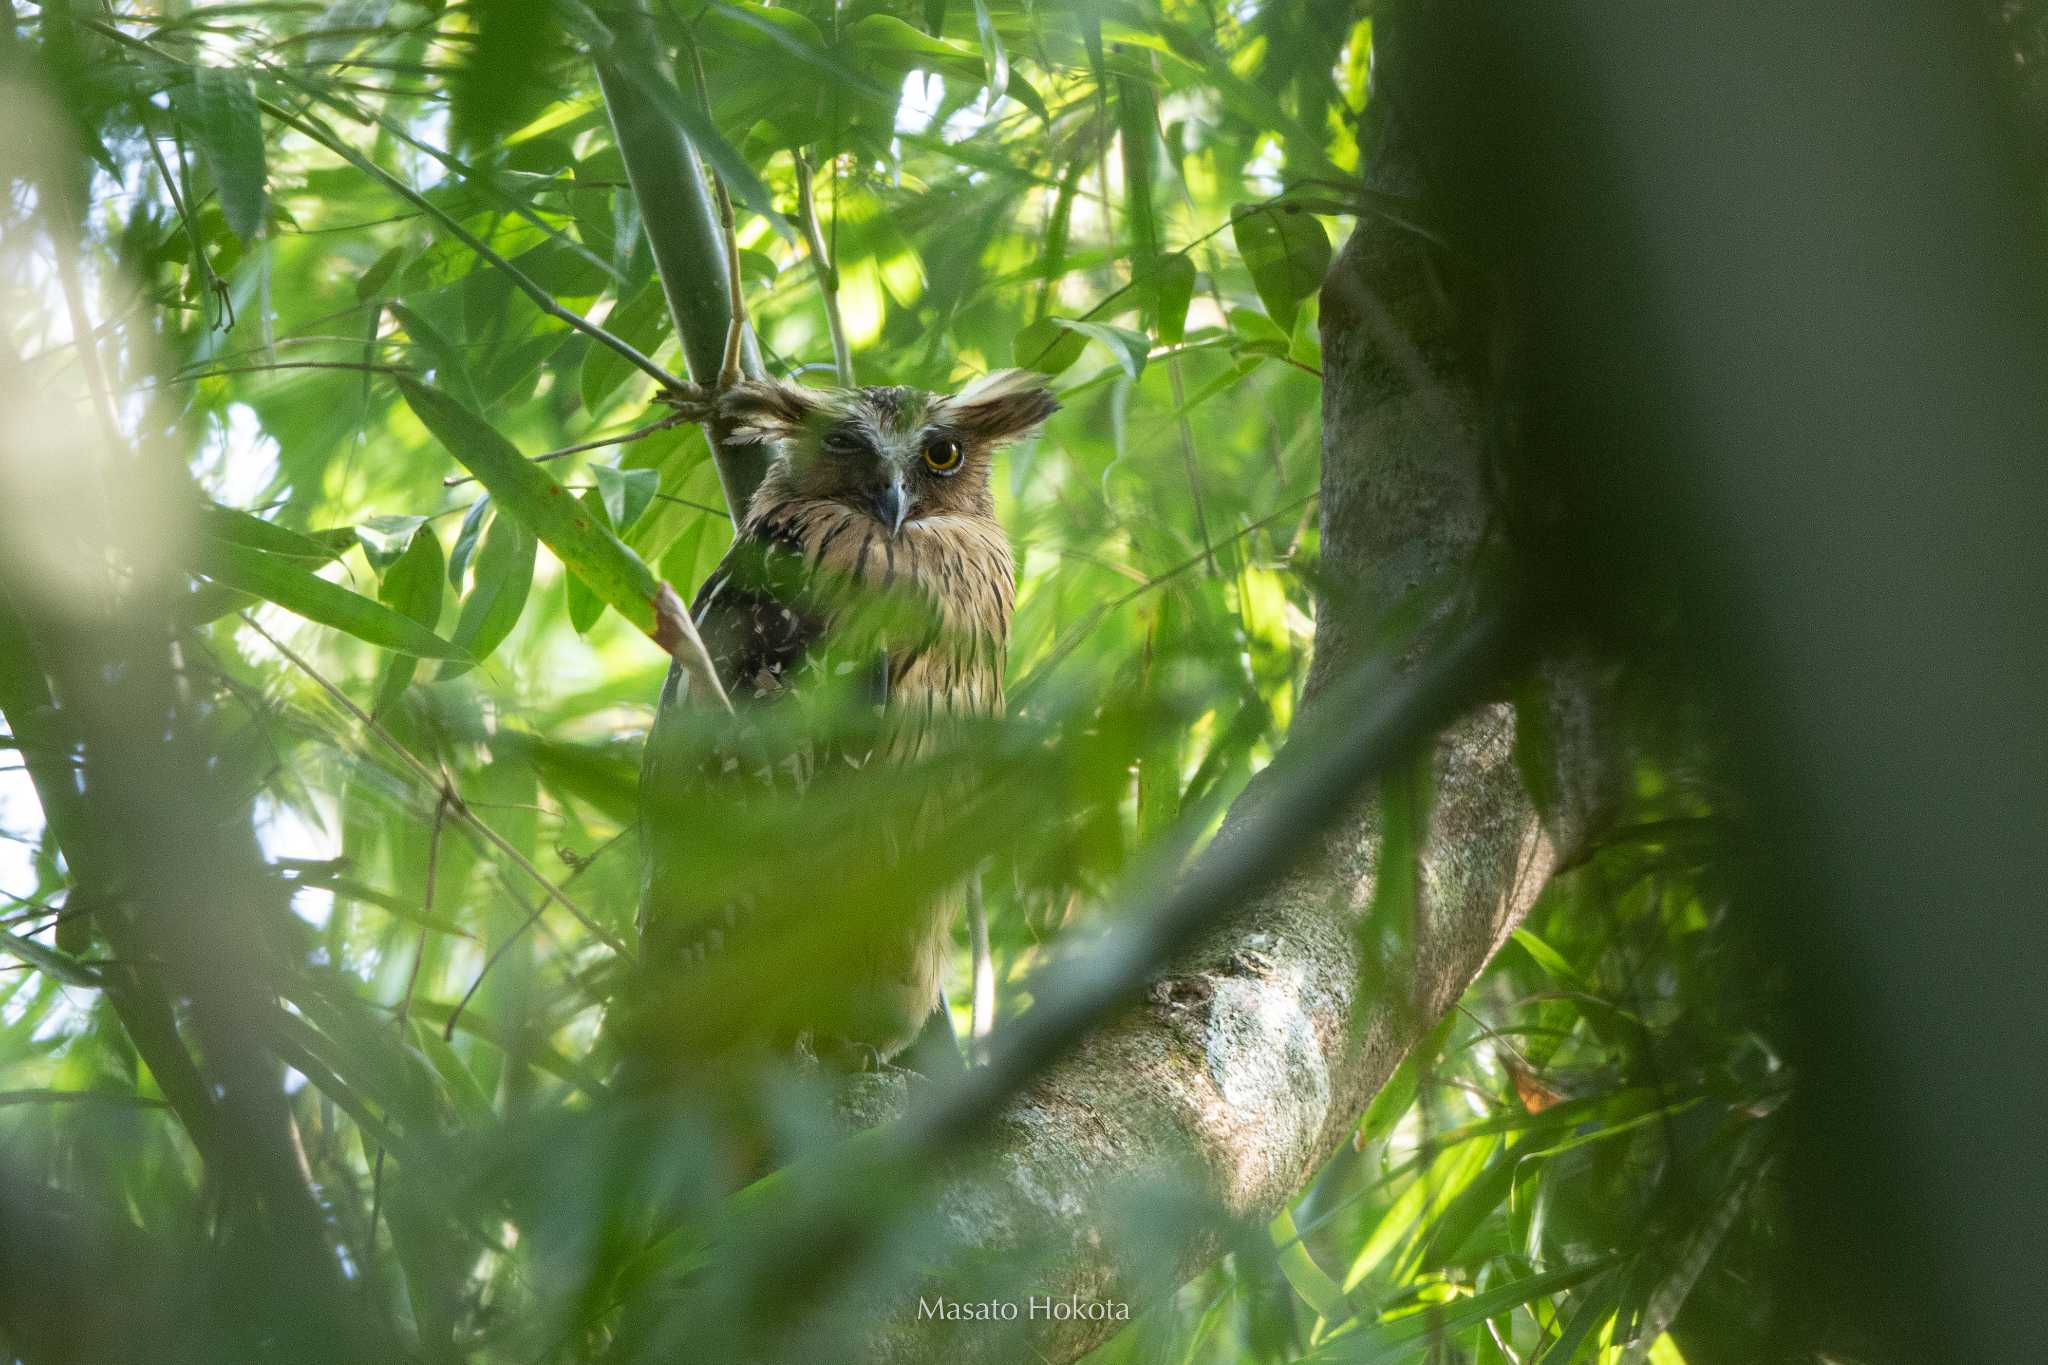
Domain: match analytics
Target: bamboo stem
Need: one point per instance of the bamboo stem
(827, 272)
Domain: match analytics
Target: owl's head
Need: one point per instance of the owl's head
(895, 454)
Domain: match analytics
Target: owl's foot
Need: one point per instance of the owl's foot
(691, 402)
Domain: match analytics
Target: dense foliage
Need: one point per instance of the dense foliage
(403, 788)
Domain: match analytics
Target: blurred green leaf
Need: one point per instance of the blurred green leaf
(626, 492)
(504, 577)
(642, 321)
(412, 585)
(218, 109)
(585, 606)
(1287, 253)
(278, 580)
(1173, 284)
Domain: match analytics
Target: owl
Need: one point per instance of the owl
(869, 578)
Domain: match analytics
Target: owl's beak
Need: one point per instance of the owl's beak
(892, 505)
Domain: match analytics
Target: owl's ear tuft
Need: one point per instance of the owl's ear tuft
(764, 411)
(1005, 405)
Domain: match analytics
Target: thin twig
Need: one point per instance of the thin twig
(623, 438)
(445, 788)
(533, 917)
(827, 272)
(216, 287)
(313, 128)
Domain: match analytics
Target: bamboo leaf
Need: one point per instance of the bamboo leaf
(1406, 1336)
(412, 585)
(329, 604)
(1130, 348)
(585, 606)
(466, 538)
(526, 494)
(626, 493)
(219, 110)
(1174, 288)
(226, 523)
(1047, 347)
(504, 577)
(642, 320)
(1287, 253)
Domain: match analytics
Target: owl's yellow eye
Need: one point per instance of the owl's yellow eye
(942, 455)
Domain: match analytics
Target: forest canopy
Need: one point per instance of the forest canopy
(354, 357)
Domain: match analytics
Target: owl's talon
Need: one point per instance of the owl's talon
(691, 402)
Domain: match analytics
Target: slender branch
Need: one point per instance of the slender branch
(444, 787)
(581, 866)
(313, 128)
(623, 438)
(542, 298)
(821, 264)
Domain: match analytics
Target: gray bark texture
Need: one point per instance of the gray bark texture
(1249, 1063)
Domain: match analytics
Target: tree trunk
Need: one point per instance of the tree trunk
(1249, 1064)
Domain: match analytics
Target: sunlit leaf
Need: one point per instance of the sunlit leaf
(1287, 253)
(305, 594)
(219, 111)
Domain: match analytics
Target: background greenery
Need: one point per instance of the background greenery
(266, 214)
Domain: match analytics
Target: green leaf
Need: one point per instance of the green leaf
(240, 528)
(759, 27)
(371, 282)
(49, 961)
(1409, 1335)
(1287, 253)
(219, 110)
(385, 539)
(1309, 1279)
(637, 69)
(1027, 95)
(1173, 286)
(449, 368)
(526, 494)
(758, 267)
(1593, 1307)
(1130, 348)
(585, 606)
(1137, 119)
(411, 585)
(626, 492)
(642, 320)
(884, 40)
(466, 538)
(992, 47)
(305, 594)
(1550, 960)
(504, 577)
(1047, 347)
